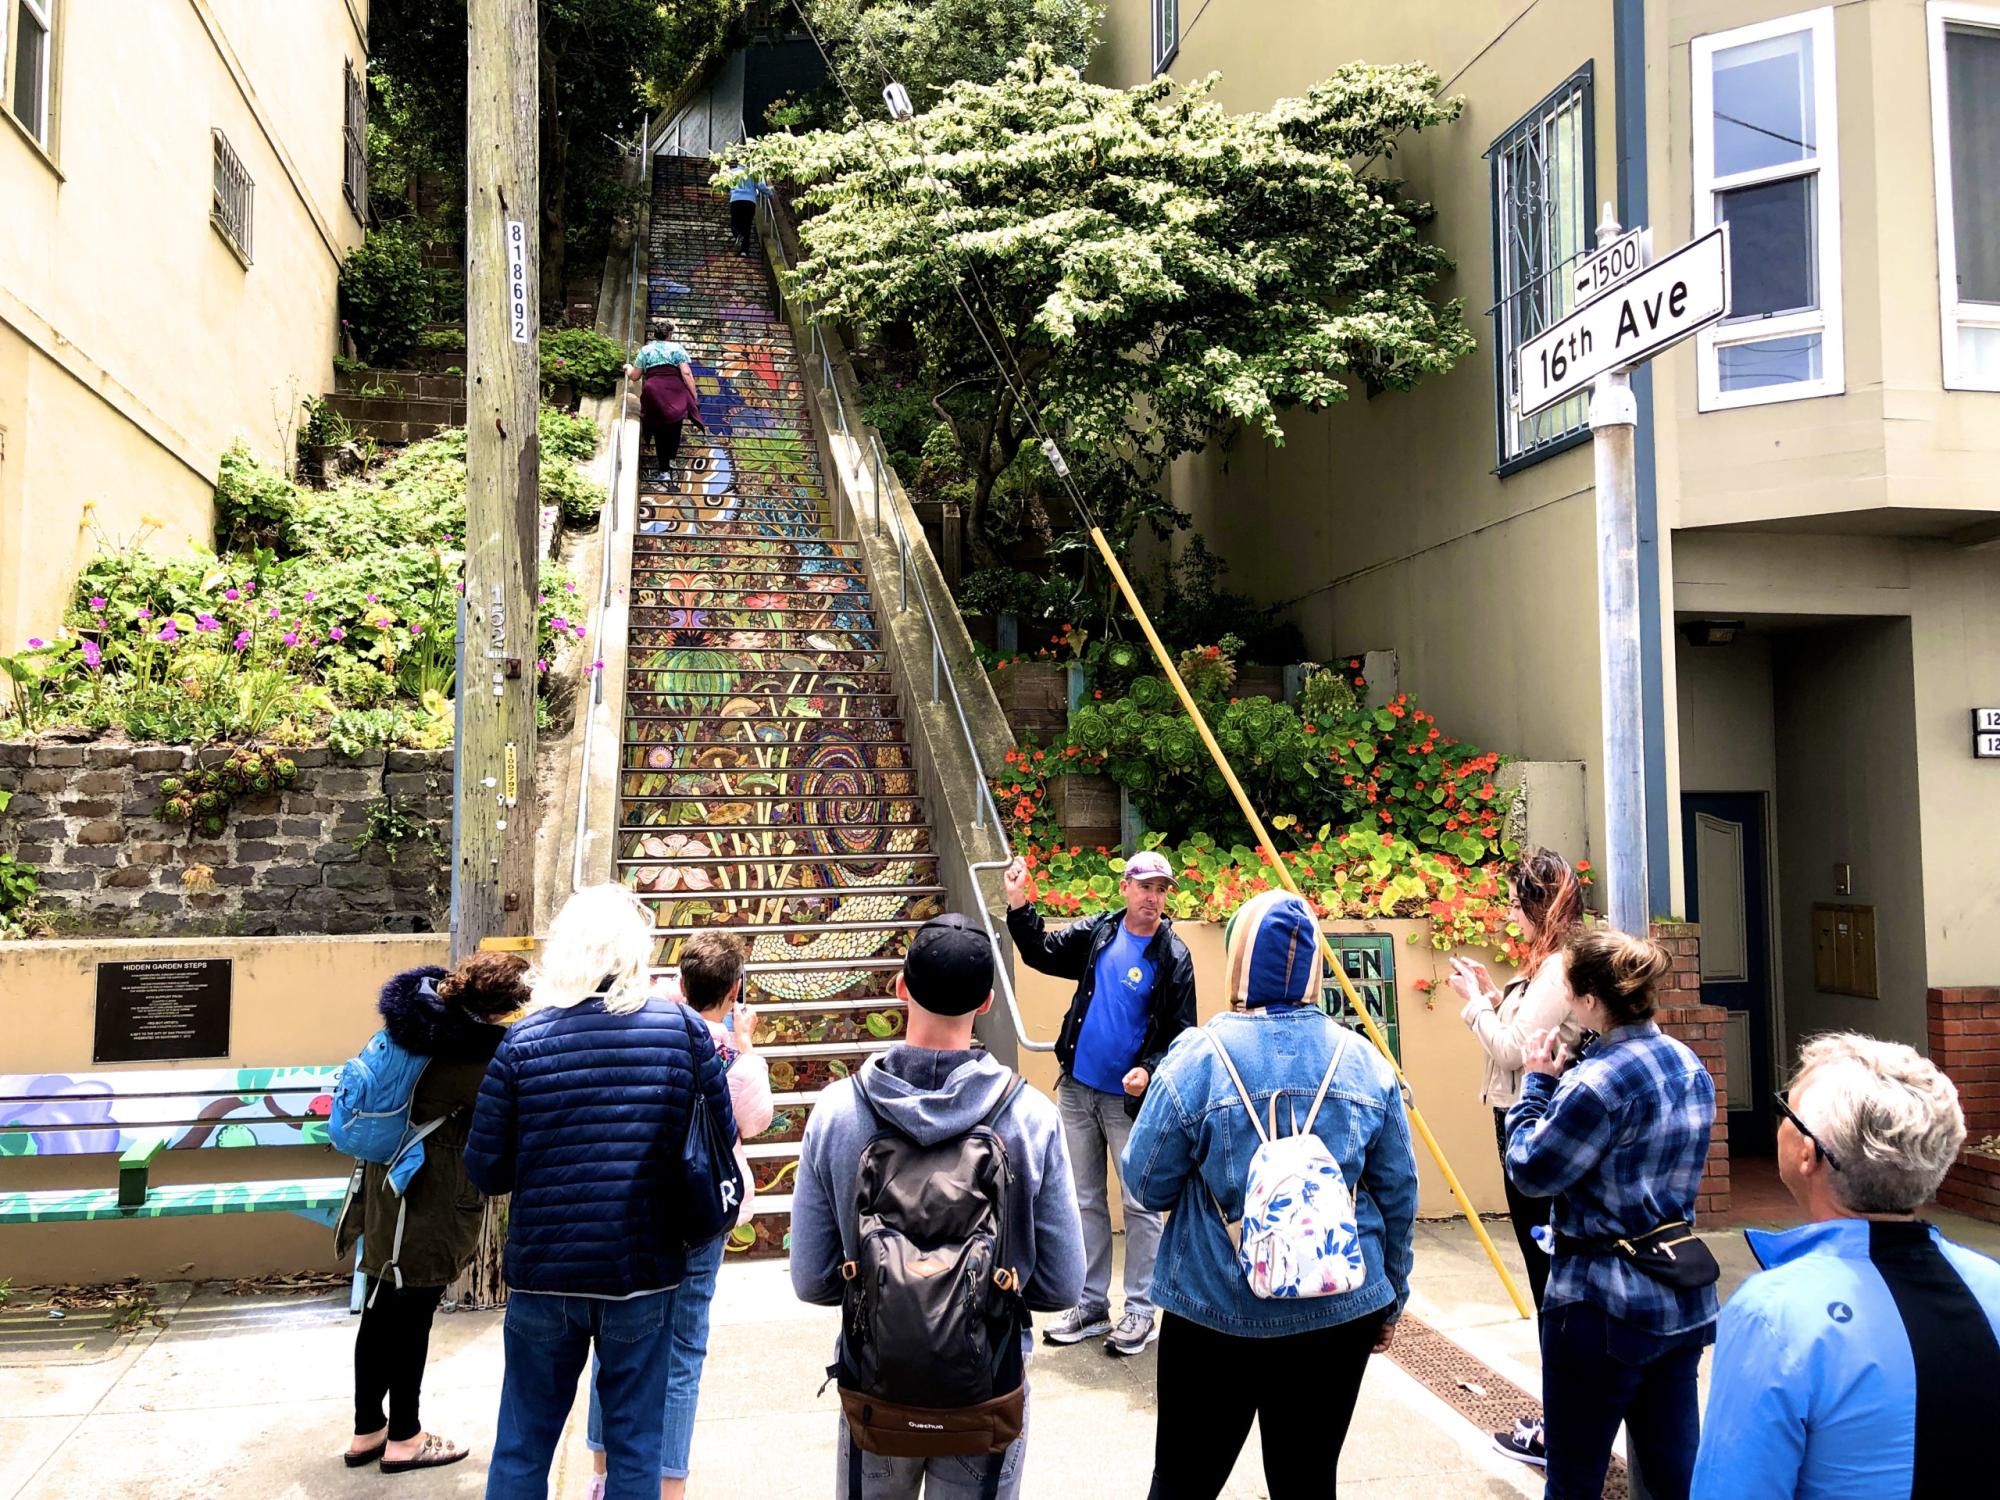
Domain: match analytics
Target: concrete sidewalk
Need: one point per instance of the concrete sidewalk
(249, 1399)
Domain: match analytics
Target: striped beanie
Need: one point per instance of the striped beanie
(1272, 945)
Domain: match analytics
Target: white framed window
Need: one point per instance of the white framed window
(233, 209)
(1965, 130)
(1766, 159)
(1166, 33)
(1544, 183)
(25, 64)
(354, 142)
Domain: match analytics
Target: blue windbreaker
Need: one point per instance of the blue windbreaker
(1855, 1366)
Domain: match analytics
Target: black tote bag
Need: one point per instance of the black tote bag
(705, 1184)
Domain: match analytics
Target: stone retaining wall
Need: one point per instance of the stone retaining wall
(83, 817)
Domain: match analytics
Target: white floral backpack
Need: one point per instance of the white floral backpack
(1297, 1237)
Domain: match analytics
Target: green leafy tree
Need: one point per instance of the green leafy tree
(1161, 270)
(928, 45)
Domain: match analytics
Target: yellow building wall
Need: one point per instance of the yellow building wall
(134, 345)
(1381, 521)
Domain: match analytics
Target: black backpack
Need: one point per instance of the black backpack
(931, 1314)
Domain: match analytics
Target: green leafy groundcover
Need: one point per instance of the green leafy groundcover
(337, 623)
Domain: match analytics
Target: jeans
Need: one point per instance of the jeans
(684, 1361)
(935, 1478)
(1525, 1211)
(389, 1353)
(1094, 1123)
(1300, 1387)
(548, 1341)
(1597, 1372)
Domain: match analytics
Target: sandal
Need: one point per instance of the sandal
(435, 1454)
(366, 1456)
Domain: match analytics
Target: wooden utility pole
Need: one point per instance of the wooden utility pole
(494, 868)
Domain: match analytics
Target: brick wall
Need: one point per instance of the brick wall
(1965, 1042)
(1700, 1027)
(83, 818)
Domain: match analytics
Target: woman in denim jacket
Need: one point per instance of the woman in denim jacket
(1297, 1363)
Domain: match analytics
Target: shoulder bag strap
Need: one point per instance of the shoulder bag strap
(1341, 1039)
(1236, 1078)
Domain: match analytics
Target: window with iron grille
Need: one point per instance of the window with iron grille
(234, 199)
(354, 145)
(1166, 33)
(1544, 183)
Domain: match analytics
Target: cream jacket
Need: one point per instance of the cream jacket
(1527, 1006)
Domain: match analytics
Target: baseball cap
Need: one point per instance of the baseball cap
(1149, 864)
(949, 968)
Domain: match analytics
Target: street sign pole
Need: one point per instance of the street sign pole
(1614, 421)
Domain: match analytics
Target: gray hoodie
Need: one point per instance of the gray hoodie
(931, 1096)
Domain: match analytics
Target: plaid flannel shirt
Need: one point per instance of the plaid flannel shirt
(1619, 1142)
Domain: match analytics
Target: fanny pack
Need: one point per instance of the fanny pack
(1671, 1253)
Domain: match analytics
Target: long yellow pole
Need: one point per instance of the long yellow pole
(1285, 877)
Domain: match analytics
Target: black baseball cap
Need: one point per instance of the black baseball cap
(949, 968)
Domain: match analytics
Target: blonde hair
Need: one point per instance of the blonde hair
(603, 932)
(1885, 1113)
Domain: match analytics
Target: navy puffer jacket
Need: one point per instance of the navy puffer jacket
(582, 1117)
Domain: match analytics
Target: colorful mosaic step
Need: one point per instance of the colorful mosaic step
(718, 543)
(853, 595)
(813, 756)
(662, 868)
(736, 727)
(773, 845)
(799, 910)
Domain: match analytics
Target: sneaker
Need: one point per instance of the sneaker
(1134, 1332)
(1524, 1442)
(1078, 1324)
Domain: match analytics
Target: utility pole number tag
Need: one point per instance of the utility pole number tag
(517, 279)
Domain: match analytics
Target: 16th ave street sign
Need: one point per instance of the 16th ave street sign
(1640, 315)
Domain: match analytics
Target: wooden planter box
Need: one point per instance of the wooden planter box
(1087, 805)
(1972, 1186)
(1035, 697)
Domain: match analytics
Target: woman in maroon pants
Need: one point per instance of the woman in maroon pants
(667, 397)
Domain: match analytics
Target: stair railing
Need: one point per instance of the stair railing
(608, 527)
(874, 466)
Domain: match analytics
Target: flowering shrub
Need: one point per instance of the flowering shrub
(346, 626)
(1350, 874)
(582, 358)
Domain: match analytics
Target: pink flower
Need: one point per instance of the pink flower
(206, 623)
(542, 664)
(598, 665)
(310, 596)
(97, 603)
(383, 623)
(291, 637)
(249, 588)
(232, 595)
(168, 633)
(243, 641)
(145, 613)
(35, 643)
(92, 657)
(559, 623)
(415, 628)
(336, 634)
(569, 588)
(272, 612)
(372, 599)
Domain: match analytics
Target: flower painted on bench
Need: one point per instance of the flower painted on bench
(60, 1119)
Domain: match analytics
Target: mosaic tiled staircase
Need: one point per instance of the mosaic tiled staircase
(766, 783)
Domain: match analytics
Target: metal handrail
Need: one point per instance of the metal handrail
(941, 679)
(609, 529)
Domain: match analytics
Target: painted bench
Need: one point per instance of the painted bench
(136, 1115)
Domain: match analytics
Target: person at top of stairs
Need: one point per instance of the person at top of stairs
(743, 211)
(667, 398)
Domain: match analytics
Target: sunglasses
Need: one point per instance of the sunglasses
(1803, 1129)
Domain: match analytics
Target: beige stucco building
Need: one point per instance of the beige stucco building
(179, 180)
(1819, 476)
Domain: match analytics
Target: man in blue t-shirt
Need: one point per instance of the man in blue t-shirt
(1134, 995)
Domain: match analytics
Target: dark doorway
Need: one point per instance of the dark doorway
(1723, 838)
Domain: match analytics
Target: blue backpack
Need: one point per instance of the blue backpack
(370, 1121)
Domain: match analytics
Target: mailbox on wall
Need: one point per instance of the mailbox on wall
(1844, 950)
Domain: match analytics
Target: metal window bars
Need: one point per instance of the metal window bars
(1541, 211)
(232, 210)
(354, 142)
(874, 468)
